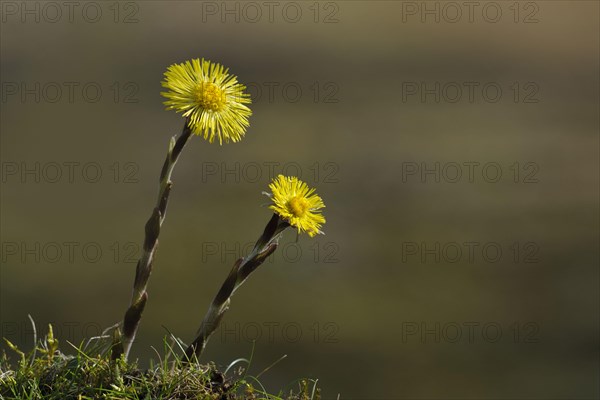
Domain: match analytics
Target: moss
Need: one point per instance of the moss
(47, 373)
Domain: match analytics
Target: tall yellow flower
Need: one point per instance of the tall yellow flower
(296, 203)
(213, 100)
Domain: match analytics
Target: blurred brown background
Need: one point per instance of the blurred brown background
(406, 296)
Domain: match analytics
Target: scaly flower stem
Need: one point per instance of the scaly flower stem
(264, 247)
(133, 315)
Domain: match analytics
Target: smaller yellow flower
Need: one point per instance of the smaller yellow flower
(212, 99)
(297, 204)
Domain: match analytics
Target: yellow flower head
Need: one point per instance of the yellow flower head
(297, 204)
(213, 100)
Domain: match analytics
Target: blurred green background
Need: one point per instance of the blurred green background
(346, 97)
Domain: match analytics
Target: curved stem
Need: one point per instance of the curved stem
(133, 315)
(264, 247)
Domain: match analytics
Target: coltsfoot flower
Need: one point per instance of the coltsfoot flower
(297, 204)
(212, 99)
